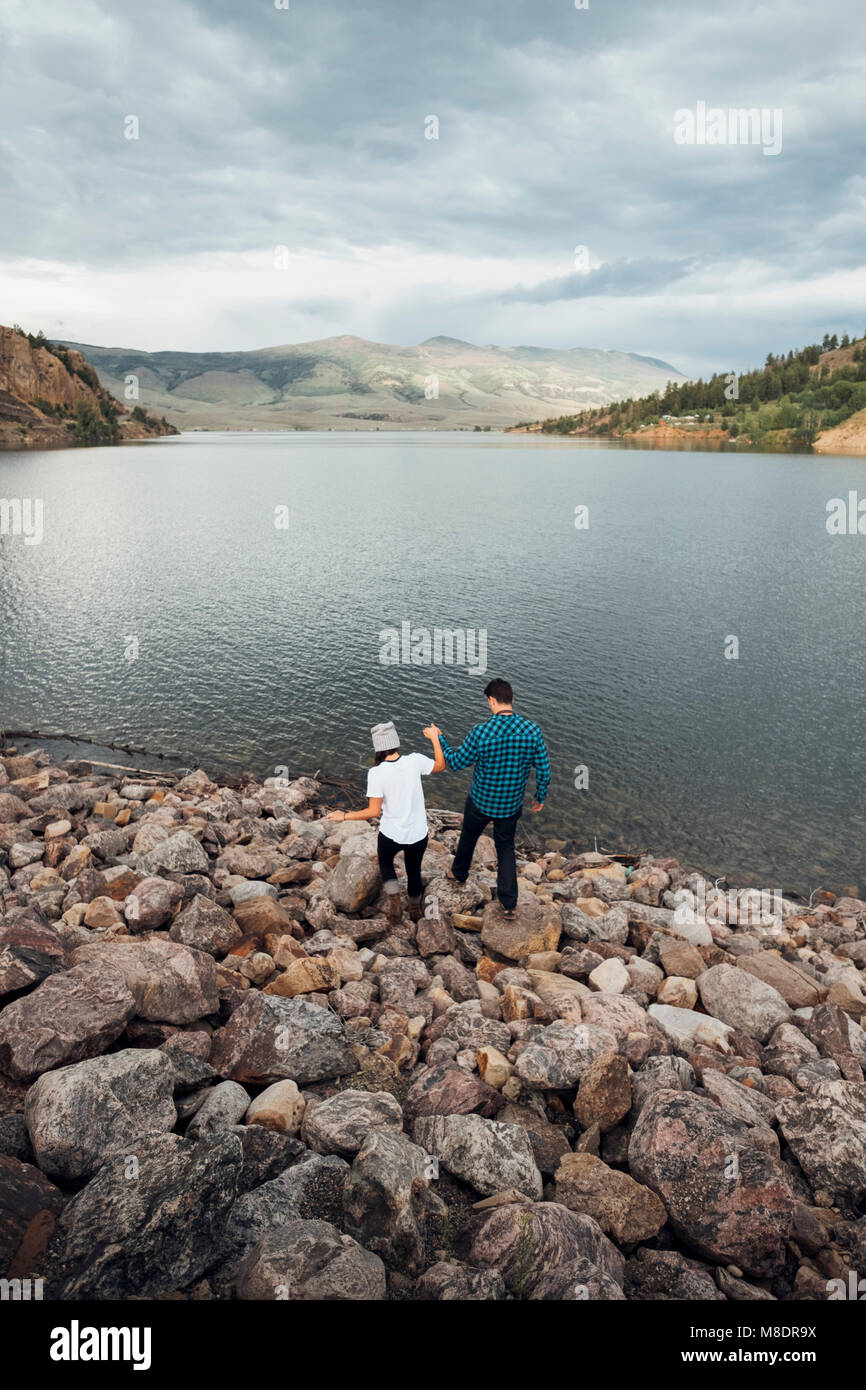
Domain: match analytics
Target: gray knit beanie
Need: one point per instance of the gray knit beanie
(385, 737)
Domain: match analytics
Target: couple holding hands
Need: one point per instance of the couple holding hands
(502, 749)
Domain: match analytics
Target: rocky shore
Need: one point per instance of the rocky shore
(224, 1074)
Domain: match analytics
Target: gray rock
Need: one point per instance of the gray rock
(560, 1054)
(269, 1038)
(206, 926)
(267, 1155)
(385, 1200)
(310, 1261)
(665, 1274)
(147, 1232)
(181, 853)
(342, 1124)
(730, 1200)
(355, 881)
(310, 1191)
(170, 983)
(827, 1133)
(449, 1282)
(490, 1156)
(222, 1108)
(245, 892)
(742, 1001)
(528, 1243)
(15, 1139)
(612, 926)
(69, 1017)
(80, 1114)
(577, 1281)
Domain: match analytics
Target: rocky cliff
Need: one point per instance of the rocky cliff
(51, 398)
(638, 1088)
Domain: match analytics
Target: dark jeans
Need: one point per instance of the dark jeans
(387, 850)
(504, 827)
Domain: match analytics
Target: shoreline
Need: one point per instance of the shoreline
(467, 1107)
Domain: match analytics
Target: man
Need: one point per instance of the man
(502, 750)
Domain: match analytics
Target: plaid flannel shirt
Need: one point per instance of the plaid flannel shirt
(502, 749)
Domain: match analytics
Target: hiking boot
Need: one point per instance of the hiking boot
(452, 876)
(394, 908)
(415, 912)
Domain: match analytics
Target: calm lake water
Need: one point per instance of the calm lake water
(259, 646)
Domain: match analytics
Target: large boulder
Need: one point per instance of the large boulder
(533, 928)
(270, 1204)
(741, 1000)
(269, 1039)
(728, 1199)
(151, 904)
(355, 880)
(528, 1242)
(624, 1209)
(604, 1093)
(385, 1200)
(148, 1222)
(170, 983)
(342, 1124)
(69, 1017)
(451, 1090)
(798, 989)
(206, 926)
(30, 950)
(827, 1132)
(181, 853)
(558, 1056)
(78, 1115)
(311, 1261)
(687, 1029)
(490, 1156)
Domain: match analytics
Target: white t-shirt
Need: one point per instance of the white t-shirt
(404, 818)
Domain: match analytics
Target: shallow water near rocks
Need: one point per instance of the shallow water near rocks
(258, 647)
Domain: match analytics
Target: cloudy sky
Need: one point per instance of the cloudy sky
(305, 128)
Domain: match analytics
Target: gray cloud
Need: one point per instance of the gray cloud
(620, 278)
(305, 127)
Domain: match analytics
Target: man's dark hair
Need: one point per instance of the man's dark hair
(500, 691)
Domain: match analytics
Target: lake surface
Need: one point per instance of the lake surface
(259, 647)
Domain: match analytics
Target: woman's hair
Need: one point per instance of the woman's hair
(382, 754)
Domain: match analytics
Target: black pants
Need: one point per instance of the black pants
(387, 850)
(504, 827)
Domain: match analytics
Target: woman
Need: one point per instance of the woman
(395, 793)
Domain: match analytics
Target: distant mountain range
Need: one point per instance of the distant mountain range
(350, 383)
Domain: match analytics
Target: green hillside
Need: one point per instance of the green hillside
(786, 403)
